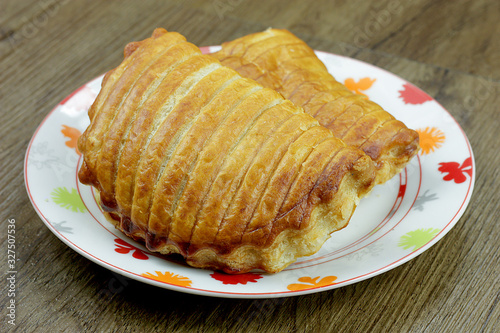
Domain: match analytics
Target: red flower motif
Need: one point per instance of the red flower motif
(205, 49)
(412, 95)
(402, 190)
(124, 248)
(456, 171)
(236, 278)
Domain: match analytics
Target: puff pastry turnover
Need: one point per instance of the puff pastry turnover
(191, 158)
(280, 60)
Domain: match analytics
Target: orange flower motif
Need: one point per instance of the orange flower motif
(430, 139)
(311, 283)
(356, 87)
(169, 278)
(72, 134)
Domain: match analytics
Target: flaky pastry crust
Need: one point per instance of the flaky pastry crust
(192, 158)
(278, 59)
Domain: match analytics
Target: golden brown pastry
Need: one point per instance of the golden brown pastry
(278, 59)
(191, 158)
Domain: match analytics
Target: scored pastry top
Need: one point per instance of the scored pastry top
(192, 158)
(278, 59)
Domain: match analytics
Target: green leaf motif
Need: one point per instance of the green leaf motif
(417, 238)
(69, 200)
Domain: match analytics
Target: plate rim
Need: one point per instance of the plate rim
(251, 295)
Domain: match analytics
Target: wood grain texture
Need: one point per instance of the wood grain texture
(48, 48)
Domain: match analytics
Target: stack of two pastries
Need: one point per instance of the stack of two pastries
(193, 157)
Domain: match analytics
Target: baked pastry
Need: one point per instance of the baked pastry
(191, 158)
(280, 60)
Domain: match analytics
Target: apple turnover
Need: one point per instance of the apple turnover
(191, 158)
(278, 59)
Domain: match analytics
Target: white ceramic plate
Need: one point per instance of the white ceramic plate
(398, 221)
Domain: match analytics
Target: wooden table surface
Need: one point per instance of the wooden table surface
(450, 49)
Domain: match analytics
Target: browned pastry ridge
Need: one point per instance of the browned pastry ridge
(278, 59)
(191, 158)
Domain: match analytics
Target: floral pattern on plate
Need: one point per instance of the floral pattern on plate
(397, 221)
